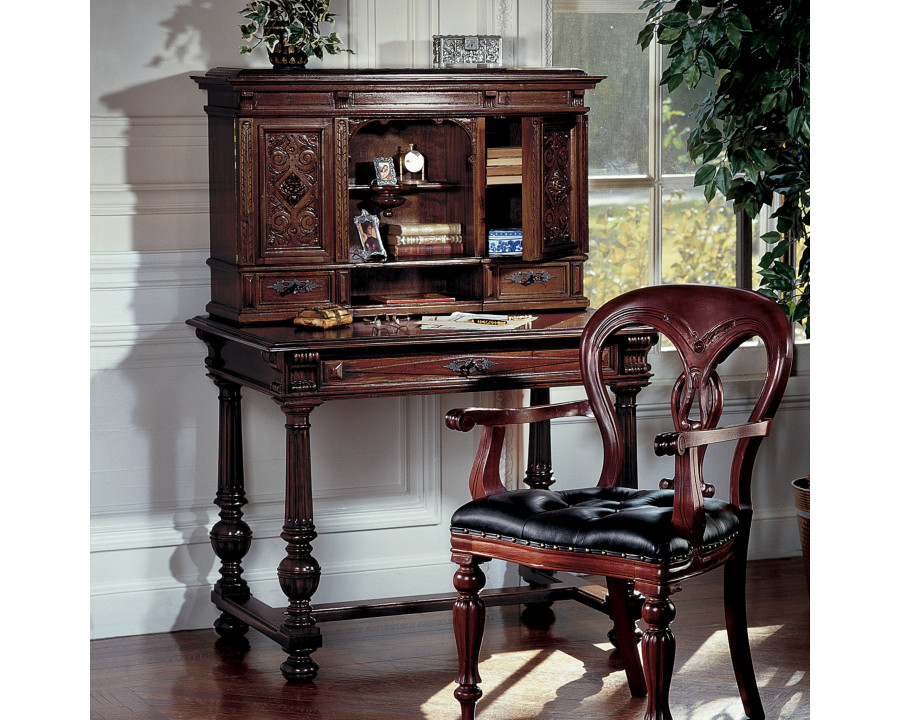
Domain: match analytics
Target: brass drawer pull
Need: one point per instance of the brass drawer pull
(466, 367)
(530, 277)
(294, 287)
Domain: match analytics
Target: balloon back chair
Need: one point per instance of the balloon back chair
(652, 538)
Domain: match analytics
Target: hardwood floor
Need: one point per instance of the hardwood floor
(404, 667)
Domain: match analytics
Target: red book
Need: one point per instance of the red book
(413, 299)
(407, 251)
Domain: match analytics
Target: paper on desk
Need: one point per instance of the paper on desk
(474, 321)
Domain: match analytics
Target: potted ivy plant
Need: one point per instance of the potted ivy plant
(751, 134)
(289, 29)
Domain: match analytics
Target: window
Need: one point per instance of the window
(647, 223)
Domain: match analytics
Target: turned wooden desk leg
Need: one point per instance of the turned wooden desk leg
(539, 473)
(230, 536)
(626, 416)
(299, 572)
(538, 476)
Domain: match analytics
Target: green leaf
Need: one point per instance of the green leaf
(245, 50)
(770, 237)
(669, 35)
(715, 30)
(772, 45)
(784, 270)
(674, 81)
(784, 224)
(768, 102)
(692, 76)
(704, 175)
(712, 152)
(723, 180)
(692, 38)
(734, 35)
(709, 192)
(674, 19)
(740, 20)
(706, 62)
(270, 41)
(795, 119)
(645, 36)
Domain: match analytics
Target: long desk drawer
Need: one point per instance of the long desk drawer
(445, 373)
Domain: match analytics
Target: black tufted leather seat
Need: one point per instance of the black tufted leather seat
(622, 522)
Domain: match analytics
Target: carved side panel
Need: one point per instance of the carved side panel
(556, 200)
(247, 253)
(293, 189)
(341, 193)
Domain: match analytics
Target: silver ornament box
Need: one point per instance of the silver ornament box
(472, 50)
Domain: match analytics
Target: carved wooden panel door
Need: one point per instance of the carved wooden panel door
(296, 181)
(552, 188)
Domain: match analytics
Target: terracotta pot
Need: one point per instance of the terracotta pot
(284, 55)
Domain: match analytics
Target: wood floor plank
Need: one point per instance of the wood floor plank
(402, 667)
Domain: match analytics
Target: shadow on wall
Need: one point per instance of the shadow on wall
(155, 426)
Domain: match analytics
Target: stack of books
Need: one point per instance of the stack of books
(506, 241)
(504, 165)
(417, 240)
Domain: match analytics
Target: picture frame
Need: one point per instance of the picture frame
(370, 247)
(385, 172)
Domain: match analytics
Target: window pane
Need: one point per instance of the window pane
(606, 44)
(677, 121)
(619, 257)
(698, 239)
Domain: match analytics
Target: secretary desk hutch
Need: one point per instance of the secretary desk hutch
(292, 158)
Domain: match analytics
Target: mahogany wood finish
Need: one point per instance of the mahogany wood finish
(291, 164)
(705, 324)
(300, 369)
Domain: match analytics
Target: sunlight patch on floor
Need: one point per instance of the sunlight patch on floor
(525, 680)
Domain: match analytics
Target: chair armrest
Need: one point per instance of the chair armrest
(485, 476)
(676, 443)
(687, 512)
(464, 419)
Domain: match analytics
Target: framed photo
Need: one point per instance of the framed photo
(385, 172)
(370, 247)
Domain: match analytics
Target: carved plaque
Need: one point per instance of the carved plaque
(557, 188)
(292, 191)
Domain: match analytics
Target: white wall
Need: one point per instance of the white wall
(153, 411)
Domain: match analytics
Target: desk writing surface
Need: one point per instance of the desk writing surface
(303, 365)
(287, 337)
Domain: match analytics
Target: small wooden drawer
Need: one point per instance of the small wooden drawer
(294, 289)
(530, 282)
(446, 373)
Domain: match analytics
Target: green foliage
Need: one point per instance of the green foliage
(301, 18)
(752, 133)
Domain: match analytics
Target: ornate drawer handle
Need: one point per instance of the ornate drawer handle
(294, 287)
(530, 277)
(465, 368)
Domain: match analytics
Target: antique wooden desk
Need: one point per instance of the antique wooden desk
(301, 369)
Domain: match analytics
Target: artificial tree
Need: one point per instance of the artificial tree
(751, 134)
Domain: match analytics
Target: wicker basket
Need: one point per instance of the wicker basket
(801, 501)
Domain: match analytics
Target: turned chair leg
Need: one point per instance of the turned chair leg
(468, 627)
(624, 628)
(658, 645)
(738, 638)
